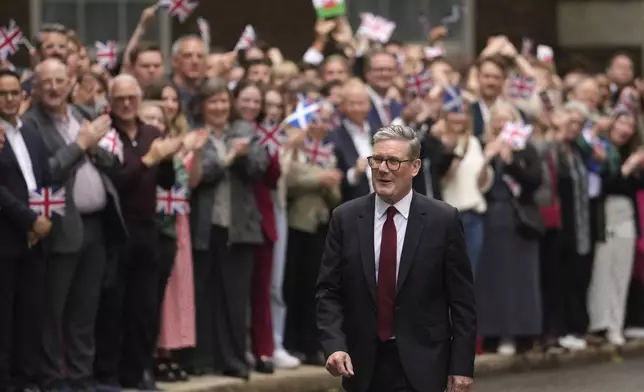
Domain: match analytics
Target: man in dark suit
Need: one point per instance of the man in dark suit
(22, 170)
(380, 70)
(395, 300)
(82, 240)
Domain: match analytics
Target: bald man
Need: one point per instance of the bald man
(78, 244)
(352, 140)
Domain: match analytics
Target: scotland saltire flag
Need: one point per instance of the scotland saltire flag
(452, 101)
(304, 113)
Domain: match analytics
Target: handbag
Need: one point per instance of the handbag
(552, 214)
(530, 223)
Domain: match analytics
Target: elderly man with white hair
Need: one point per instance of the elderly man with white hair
(79, 243)
(126, 329)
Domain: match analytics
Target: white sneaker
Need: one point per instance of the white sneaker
(283, 360)
(615, 338)
(572, 343)
(507, 348)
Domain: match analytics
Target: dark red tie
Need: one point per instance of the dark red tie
(387, 277)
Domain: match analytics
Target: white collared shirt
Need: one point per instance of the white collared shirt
(400, 220)
(17, 143)
(361, 138)
(379, 104)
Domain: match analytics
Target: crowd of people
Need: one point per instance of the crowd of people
(119, 291)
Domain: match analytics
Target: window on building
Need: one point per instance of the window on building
(99, 20)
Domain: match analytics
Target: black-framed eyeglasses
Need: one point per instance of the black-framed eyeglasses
(393, 164)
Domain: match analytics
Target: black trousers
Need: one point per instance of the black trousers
(126, 330)
(303, 256)
(576, 272)
(223, 277)
(551, 284)
(388, 373)
(22, 279)
(73, 289)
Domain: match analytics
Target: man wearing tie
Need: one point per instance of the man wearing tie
(395, 300)
(22, 170)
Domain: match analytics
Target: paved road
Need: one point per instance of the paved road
(627, 376)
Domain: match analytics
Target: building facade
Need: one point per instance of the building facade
(582, 32)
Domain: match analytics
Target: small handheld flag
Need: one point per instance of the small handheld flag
(10, 39)
(181, 9)
(453, 17)
(112, 143)
(545, 54)
(247, 38)
(329, 8)
(270, 135)
(173, 201)
(375, 27)
(419, 84)
(521, 87)
(47, 202)
(526, 47)
(434, 52)
(204, 31)
(303, 115)
(106, 54)
(453, 101)
(317, 152)
(516, 135)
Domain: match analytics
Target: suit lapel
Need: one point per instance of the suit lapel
(50, 135)
(350, 151)
(365, 236)
(414, 232)
(13, 158)
(477, 120)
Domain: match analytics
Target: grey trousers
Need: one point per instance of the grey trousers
(73, 287)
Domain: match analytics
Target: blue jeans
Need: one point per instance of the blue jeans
(473, 230)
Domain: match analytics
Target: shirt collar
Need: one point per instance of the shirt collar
(355, 128)
(9, 127)
(402, 206)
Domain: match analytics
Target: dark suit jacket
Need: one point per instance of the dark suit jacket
(63, 161)
(374, 118)
(16, 218)
(478, 123)
(440, 159)
(346, 155)
(435, 319)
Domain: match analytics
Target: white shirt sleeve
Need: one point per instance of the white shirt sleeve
(313, 56)
(351, 176)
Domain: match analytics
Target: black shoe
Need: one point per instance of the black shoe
(197, 371)
(164, 373)
(316, 359)
(243, 374)
(265, 365)
(179, 373)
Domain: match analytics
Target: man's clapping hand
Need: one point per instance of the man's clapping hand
(339, 364)
(195, 140)
(459, 384)
(330, 178)
(91, 133)
(162, 149)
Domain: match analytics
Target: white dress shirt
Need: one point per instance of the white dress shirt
(400, 220)
(361, 138)
(17, 143)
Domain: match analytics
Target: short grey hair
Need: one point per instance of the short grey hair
(400, 132)
(176, 47)
(124, 78)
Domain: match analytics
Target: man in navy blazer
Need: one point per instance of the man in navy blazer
(22, 268)
(380, 70)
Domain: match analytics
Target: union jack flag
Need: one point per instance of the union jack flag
(247, 38)
(173, 201)
(112, 143)
(106, 54)
(419, 84)
(317, 152)
(179, 8)
(545, 53)
(434, 52)
(516, 134)
(521, 87)
(47, 202)
(10, 39)
(271, 135)
(375, 27)
(452, 100)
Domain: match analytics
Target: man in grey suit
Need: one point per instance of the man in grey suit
(78, 245)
